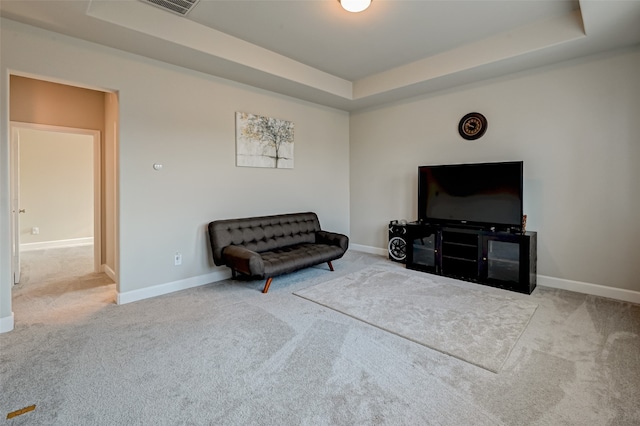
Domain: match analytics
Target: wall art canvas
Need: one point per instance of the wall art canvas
(263, 141)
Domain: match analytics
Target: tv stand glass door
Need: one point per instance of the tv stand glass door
(423, 242)
(509, 261)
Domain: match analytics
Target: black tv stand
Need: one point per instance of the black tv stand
(502, 259)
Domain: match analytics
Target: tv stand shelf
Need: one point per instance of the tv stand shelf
(499, 259)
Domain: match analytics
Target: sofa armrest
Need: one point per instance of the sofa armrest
(333, 239)
(243, 260)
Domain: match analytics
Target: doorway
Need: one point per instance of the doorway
(90, 114)
(56, 190)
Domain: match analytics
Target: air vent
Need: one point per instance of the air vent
(179, 7)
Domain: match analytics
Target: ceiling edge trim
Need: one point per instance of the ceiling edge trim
(156, 23)
(520, 41)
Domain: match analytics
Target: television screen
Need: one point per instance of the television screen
(487, 194)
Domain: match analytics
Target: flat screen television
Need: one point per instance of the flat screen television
(485, 195)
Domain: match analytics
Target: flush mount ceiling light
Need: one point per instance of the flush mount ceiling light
(354, 5)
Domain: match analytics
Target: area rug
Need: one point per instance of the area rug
(474, 323)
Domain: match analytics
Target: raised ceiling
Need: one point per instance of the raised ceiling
(316, 51)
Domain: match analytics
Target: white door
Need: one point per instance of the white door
(15, 204)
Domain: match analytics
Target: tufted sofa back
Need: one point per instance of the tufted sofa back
(263, 233)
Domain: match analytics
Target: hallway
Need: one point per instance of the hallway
(58, 281)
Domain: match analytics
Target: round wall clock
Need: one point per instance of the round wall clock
(472, 126)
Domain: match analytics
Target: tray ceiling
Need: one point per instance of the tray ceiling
(314, 50)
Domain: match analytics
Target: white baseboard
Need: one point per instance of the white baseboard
(7, 323)
(588, 288)
(545, 281)
(109, 272)
(75, 242)
(160, 289)
(369, 249)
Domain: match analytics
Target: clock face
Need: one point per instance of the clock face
(472, 126)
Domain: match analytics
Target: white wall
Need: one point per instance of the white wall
(575, 127)
(186, 121)
(56, 186)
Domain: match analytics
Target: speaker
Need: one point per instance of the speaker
(397, 241)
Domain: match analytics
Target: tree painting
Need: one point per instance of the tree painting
(263, 141)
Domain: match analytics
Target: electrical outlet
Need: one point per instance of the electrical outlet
(178, 258)
(35, 230)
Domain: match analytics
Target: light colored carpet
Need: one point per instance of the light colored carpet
(226, 354)
(467, 321)
(59, 285)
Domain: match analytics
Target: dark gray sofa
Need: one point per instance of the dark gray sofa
(268, 246)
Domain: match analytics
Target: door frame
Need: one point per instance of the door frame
(15, 127)
(15, 203)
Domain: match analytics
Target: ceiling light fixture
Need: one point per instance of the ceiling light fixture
(354, 5)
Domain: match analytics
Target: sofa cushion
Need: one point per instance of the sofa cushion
(263, 233)
(291, 258)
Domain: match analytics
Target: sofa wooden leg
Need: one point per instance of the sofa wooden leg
(330, 266)
(266, 285)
